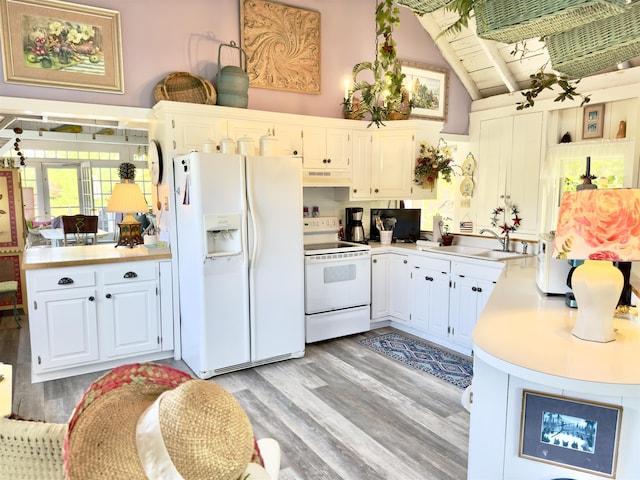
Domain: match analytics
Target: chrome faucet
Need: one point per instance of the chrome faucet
(504, 243)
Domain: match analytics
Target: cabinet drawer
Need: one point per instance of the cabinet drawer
(130, 272)
(64, 279)
(434, 264)
(471, 270)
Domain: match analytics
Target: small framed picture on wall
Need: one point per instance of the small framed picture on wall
(593, 121)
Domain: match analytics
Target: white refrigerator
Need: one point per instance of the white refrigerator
(241, 262)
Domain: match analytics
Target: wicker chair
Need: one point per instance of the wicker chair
(33, 451)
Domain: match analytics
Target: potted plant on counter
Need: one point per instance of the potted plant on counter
(447, 238)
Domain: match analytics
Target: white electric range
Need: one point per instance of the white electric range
(337, 286)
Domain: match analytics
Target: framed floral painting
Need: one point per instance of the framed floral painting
(428, 90)
(59, 44)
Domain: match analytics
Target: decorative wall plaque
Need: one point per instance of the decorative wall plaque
(282, 45)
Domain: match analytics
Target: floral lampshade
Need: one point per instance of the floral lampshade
(599, 227)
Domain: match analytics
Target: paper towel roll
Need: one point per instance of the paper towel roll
(437, 234)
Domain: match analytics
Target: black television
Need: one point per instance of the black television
(405, 222)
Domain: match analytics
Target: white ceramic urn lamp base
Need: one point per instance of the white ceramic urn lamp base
(597, 285)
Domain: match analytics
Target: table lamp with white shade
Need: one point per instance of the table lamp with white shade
(599, 227)
(126, 197)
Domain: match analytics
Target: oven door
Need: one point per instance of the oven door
(337, 280)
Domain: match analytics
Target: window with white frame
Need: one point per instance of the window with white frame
(72, 181)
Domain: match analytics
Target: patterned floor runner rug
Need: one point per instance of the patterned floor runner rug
(423, 356)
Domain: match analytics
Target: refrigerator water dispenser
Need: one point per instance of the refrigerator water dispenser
(223, 235)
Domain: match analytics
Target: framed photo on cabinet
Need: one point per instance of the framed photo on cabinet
(593, 121)
(571, 433)
(428, 90)
(59, 44)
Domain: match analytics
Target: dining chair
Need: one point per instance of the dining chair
(79, 228)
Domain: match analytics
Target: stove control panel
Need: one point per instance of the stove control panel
(320, 224)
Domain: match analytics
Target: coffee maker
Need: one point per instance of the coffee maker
(354, 231)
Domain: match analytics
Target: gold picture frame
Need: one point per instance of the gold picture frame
(59, 44)
(593, 121)
(429, 90)
(282, 44)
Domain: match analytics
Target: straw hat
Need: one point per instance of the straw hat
(147, 420)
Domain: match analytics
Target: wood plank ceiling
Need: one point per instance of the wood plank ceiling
(486, 67)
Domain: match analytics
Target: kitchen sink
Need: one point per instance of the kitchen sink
(476, 252)
(501, 255)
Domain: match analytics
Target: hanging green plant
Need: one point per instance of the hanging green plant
(384, 95)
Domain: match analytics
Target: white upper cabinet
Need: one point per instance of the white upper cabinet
(382, 164)
(392, 164)
(509, 157)
(326, 148)
(361, 186)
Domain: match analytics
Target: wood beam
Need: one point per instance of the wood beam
(432, 28)
(491, 50)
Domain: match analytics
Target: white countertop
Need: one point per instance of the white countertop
(47, 257)
(524, 332)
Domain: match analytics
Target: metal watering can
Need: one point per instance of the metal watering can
(232, 83)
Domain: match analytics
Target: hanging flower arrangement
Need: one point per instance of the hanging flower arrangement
(434, 161)
(499, 218)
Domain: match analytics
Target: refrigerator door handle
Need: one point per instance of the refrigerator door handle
(252, 211)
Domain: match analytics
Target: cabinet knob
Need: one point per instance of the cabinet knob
(428, 279)
(130, 275)
(375, 260)
(108, 295)
(65, 281)
(375, 190)
(405, 261)
(295, 152)
(479, 289)
(355, 190)
(92, 298)
(328, 160)
(474, 289)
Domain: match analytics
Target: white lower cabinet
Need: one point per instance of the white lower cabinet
(83, 317)
(131, 321)
(390, 286)
(471, 287)
(399, 278)
(379, 285)
(430, 297)
(64, 328)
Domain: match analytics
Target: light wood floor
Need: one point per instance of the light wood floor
(341, 412)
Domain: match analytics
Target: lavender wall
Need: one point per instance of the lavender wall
(164, 36)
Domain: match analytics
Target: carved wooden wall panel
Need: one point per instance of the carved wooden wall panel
(282, 45)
